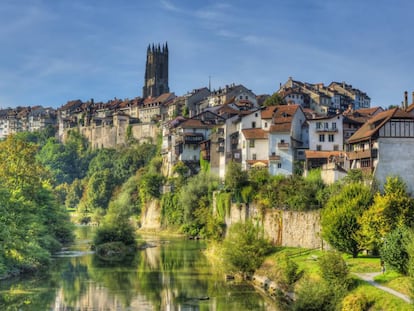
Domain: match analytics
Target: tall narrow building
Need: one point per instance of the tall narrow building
(156, 71)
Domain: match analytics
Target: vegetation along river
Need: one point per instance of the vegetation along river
(169, 274)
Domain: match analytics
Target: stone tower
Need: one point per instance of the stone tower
(156, 71)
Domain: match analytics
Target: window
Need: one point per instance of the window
(279, 165)
(326, 125)
(318, 125)
(251, 143)
(336, 148)
(331, 137)
(318, 147)
(334, 125)
(321, 137)
(265, 125)
(254, 156)
(254, 124)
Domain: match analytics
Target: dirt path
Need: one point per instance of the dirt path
(369, 277)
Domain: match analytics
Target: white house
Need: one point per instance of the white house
(287, 138)
(326, 133)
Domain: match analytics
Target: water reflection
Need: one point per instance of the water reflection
(173, 274)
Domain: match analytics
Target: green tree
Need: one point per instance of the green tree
(32, 224)
(235, 179)
(274, 100)
(245, 248)
(390, 210)
(394, 250)
(340, 218)
(334, 270)
(197, 193)
(97, 192)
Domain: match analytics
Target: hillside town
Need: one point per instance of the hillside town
(311, 125)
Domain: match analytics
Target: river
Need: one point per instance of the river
(171, 274)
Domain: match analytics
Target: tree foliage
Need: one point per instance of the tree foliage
(390, 210)
(32, 223)
(394, 250)
(340, 217)
(245, 248)
(274, 100)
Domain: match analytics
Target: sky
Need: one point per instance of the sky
(54, 51)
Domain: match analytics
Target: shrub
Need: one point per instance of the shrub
(115, 233)
(394, 250)
(313, 296)
(334, 269)
(355, 302)
(245, 248)
(289, 272)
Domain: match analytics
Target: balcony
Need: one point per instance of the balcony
(283, 145)
(327, 130)
(190, 138)
(274, 157)
(362, 154)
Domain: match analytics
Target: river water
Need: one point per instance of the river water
(170, 274)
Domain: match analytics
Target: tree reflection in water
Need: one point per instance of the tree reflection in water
(169, 274)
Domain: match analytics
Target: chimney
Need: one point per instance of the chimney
(405, 100)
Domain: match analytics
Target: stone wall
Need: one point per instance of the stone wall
(284, 228)
(112, 136)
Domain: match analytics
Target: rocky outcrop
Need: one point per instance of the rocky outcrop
(151, 216)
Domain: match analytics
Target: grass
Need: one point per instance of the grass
(380, 300)
(307, 261)
(363, 264)
(395, 280)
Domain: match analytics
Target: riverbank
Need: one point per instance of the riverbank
(389, 294)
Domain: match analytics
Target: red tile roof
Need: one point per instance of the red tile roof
(313, 154)
(194, 123)
(372, 126)
(255, 133)
(267, 113)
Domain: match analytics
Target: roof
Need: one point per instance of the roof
(194, 123)
(283, 117)
(313, 154)
(258, 163)
(267, 112)
(254, 133)
(372, 126)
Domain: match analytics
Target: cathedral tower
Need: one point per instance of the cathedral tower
(156, 71)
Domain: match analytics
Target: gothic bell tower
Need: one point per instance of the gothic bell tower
(156, 71)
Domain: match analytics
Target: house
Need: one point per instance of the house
(288, 137)
(383, 146)
(325, 141)
(359, 99)
(354, 119)
(155, 108)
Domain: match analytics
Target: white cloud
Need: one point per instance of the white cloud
(167, 5)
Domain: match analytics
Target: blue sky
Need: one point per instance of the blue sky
(53, 51)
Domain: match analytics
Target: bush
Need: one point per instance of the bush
(115, 233)
(289, 272)
(313, 296)
(334, 269)
(245, 248)
(394, 249)
(355, 302)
